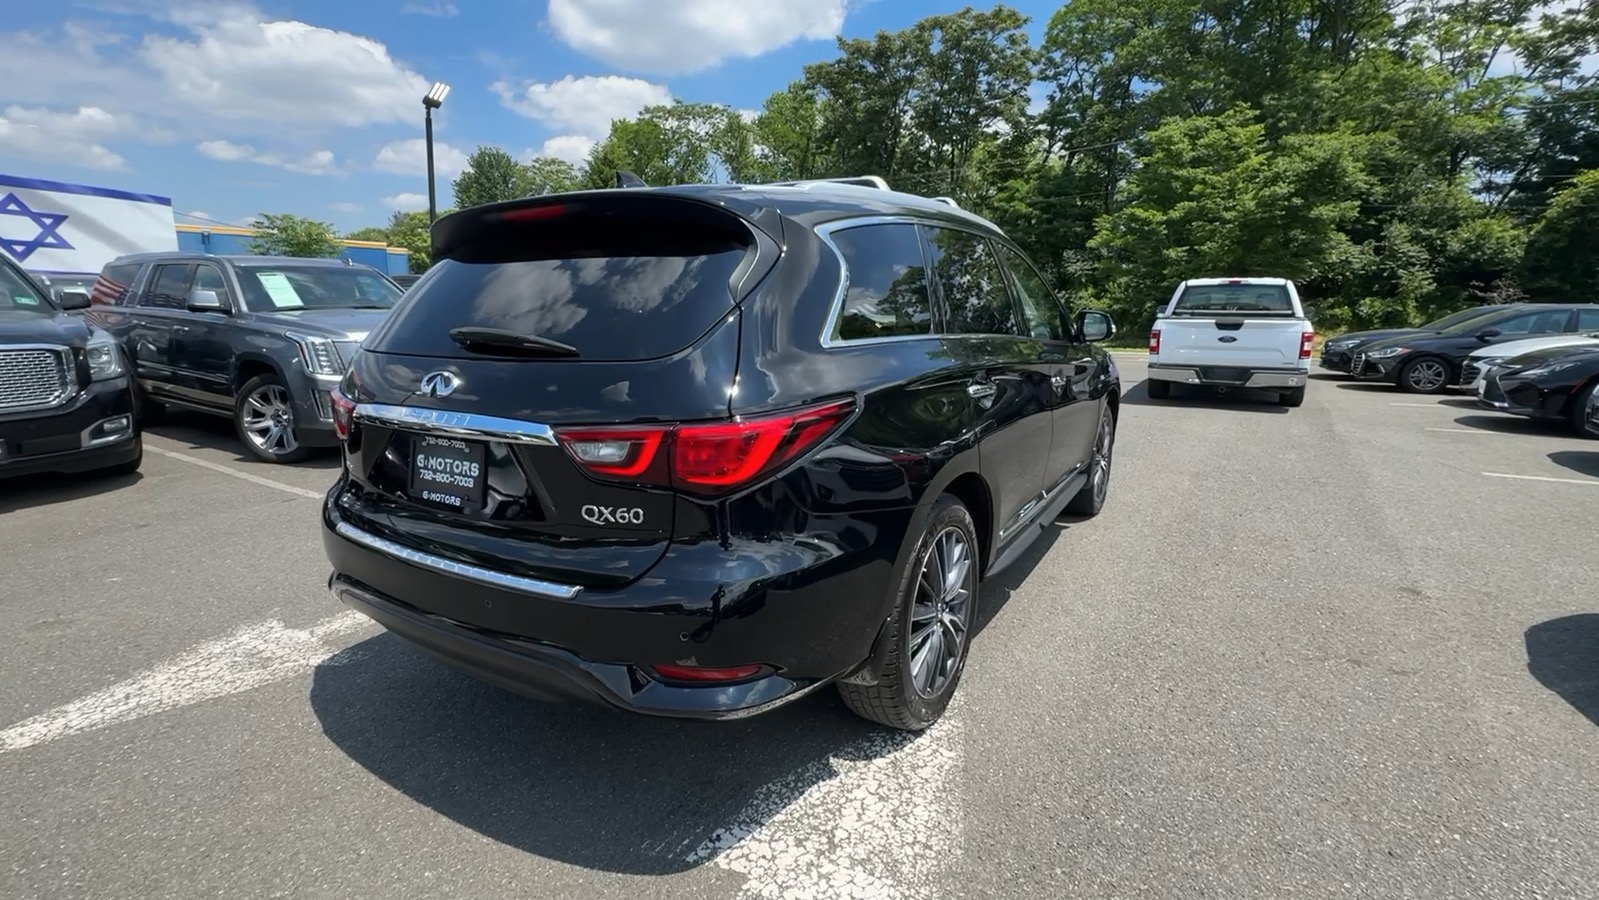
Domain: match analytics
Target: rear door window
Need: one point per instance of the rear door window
(887, 292)
(169, 289)
(629, 306)
(976, 299)
(114, 284)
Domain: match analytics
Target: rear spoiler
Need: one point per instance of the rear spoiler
(459, 233)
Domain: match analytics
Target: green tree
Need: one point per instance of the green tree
(285, 234)
(370, 233)
(546, 174)
(491, 175)
(1562, 258)
(410, 231)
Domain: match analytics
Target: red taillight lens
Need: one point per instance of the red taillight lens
(1154, 342)
(343, 413)
(1306, 341)
(705, 458)
(707, 676)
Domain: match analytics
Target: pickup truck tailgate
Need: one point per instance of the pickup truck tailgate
(1263, 343)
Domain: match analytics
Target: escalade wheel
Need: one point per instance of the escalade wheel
(930, 633)
(263, 415)
(1091, 498)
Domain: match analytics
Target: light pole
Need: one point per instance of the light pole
(433, 100)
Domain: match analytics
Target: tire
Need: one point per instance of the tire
(1091, 498)
(900, 699)
(126, 468)
(264, 402)
(1411, 372)
(1295, 397)
(1577, 410)
(1158, 390)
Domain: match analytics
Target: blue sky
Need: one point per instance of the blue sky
(236, 108)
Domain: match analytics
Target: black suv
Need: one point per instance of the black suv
(260, 339)
(66, 399)
(701, 450)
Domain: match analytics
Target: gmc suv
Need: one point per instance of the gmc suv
(701, 450)
(262, 340)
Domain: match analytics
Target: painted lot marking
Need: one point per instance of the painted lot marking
(229, 470)
(881, 821)
(1473, 431)
(251, 657)
(1587, 481)
(1423, 405)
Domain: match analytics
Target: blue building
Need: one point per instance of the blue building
(224, 240)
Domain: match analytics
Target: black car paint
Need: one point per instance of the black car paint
(1549, 395)
(794, 573)
(34, 442)
(1454, 348)
(200, 359)
(1337, 353)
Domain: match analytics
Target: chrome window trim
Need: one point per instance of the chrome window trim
(478, 574)
(455, 424)
(69, 371)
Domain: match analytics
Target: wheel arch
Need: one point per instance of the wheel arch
(250, 365)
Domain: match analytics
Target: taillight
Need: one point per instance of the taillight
(1154, 342)
(704, 458)
(1306, 340)
(343, 413)
(703, 675)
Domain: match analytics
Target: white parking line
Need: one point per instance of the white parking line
(879, 820)
(249, 658)
(1475, 431)
(228, 470)
(1423, 405)
(1589, 481)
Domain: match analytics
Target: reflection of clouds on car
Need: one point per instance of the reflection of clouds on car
(528, 295)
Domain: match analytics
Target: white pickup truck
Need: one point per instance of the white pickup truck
(1232, 333)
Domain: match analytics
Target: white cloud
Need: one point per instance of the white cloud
(284, 73)
(319, 163)
(406, 202)
(444, 9)
(584, 106)
(346, 207)
(71, 137)
(410, 157)
(574, 148)
(669, 38)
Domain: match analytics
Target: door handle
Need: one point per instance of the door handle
(980, 389)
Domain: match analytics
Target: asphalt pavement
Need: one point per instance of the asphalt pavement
(1344, 650)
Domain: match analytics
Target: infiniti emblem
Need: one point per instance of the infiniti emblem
(439, 384)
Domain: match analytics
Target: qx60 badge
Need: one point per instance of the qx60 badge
(613, 515)
(439, 384)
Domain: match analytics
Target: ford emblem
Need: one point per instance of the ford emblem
(1227, 339)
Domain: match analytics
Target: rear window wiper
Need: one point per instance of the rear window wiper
(471, 337)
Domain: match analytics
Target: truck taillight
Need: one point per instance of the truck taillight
(1154, 342)
(1306, 340)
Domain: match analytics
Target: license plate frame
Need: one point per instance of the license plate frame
(448, 473)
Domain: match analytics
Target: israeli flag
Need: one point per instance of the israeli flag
(52, 226)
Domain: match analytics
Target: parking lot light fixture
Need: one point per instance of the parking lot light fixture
(431, 101)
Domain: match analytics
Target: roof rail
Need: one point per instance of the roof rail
(872, 181)
(949, 200)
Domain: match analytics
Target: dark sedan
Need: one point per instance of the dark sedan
(1338, 353)
(1431, 363)
(1554, 385)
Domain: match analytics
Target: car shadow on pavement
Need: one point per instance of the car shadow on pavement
(1563, 654)
(1369, 387)
(47, 490)
(202, 432)
(997, 592)
(574, 783)
(1507, 424)
(1244, 399)
(1583, 462)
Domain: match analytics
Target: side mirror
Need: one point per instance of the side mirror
(206, 301)
(73, 300)
(1487, 333)
(1095, 325)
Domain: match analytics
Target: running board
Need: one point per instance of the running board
(1044, 518)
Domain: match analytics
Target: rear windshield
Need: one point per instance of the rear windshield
(1249, 298)
(608, 307)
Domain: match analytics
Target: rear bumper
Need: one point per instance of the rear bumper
(95, 430)
(1230, 376)
(808, 626)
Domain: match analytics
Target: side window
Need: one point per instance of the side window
(887, 292)
(1588, 320)
(169, 289)
(1046, 320)
(209, 278)
(114, 284)
(975, 296)
(1535, 323)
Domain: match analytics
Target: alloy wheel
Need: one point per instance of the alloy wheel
(1427, 376)
(269, 420)
(939, 611)
(1104, 445)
